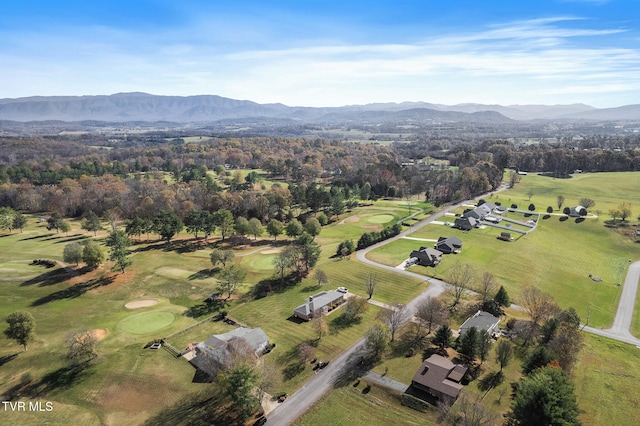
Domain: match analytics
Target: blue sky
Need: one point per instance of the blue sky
(327, 53)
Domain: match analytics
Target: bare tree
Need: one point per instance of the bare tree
(539, 305)
(560, 200)
(469, 411)
(504, 353)
(372, 282)
(81, 346)
(320, 326)
(306, 352)
(321, 277)
(489, 285)
(459, 280)
(394, 318)
(431, 313)
(239, 351)
(270, 378)
(587, 203)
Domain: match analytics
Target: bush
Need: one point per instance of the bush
(370, 238)
(415, 403)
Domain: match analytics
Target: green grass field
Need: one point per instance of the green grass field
(129, 383)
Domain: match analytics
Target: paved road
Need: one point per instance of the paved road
(298, 403)
(622, 323)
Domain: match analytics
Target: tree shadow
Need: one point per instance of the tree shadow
(75, 290)
(354, 367)
(7, 358)
(563, 218)
(62, 378)
(491, 381)
(53, 277)
(205, 308)
(203, 408)
(579, 219)
(203, 274)
(310, 288)
(37, 237)
(342, 322)
(71, 238)
(546, 216)
(274, 284)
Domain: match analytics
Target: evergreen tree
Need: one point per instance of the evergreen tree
(443, 337)
(119, 249)
(92, 223)
(502, 297)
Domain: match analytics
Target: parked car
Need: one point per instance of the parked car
(342, 289)
(260, 421)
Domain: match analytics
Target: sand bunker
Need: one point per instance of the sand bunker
(271, 251)
(99, 333)
(141, 303)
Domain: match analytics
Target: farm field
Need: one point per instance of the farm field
(557, 256)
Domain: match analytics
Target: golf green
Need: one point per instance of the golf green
(147, 322)
(262, 261)
(380, 218)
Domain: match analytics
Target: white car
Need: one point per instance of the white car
(342, 289)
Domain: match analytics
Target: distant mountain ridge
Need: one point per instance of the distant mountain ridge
(127, 107)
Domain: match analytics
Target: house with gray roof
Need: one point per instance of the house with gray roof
(481, 321)
(448, 245)
(319, 304)
(214, 353)
(425, 256)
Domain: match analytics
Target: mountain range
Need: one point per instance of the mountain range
(127, 107)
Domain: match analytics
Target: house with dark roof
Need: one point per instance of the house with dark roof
(449, 245)
(438, 378)
(466, 223)
(481, 321)
(425, 256)
(214, 353)
(318, 304)
(577, 211)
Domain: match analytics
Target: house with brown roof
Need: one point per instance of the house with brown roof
(318, 304)
(438, 378)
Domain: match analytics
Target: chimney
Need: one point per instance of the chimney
(311, 310)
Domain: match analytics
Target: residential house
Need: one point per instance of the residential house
(577, 211)
(426, 256)
(505, 236)
(448, 245)
(438, 378)
(214, 353)
(466, 223)
(318, 304)
(481, 321)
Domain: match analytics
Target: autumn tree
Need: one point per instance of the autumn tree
(354, 309)
(625, 210)
(587, 203)
(537, 304)
(306, 352)
(54, 221)
(19, 221)
(22, 328)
